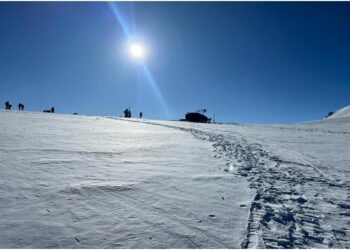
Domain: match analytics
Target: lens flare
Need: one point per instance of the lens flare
(137, 51)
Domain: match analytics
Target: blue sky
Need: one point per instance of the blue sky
(247, 62)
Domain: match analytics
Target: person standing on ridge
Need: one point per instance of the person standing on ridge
(8, 105)
(140, 114)
(20, 106)
(126, 112)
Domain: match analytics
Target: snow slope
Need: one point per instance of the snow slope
(91, 182)
(344, 112)
(301, 174)
(110, 182)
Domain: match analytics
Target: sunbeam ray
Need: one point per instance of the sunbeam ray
(129, 32)
(155, 88)
(120, 18)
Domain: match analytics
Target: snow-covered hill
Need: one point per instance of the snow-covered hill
(105, 182)
(344, 112)
(75, 181)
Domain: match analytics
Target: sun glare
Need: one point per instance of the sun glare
(137, 51)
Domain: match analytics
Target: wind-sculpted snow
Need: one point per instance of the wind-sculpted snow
(298, 202)
(91, 182)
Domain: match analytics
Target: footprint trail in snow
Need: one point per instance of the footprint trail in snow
(291, 208)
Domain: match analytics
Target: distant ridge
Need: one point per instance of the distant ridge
(343, 112)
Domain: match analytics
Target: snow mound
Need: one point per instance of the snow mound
(343, 112)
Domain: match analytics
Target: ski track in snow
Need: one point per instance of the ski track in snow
(290, 208)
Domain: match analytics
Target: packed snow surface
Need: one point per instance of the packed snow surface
(104, 182)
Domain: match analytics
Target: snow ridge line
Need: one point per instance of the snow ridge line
(282, 214)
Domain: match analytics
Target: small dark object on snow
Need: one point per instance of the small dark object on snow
(127, 113)
(75, 113)
(301, 200)
(212, 215)
(8, 105)
(20, 106)
(140, 115)
(329, 114)
(197, 116)
(52, 110)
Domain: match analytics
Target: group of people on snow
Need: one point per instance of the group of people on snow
(127, 113)
(20, 106)
(52, 110)
(8, 106)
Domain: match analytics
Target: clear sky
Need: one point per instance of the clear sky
(247, 62)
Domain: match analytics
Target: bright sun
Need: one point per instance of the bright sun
(137, 51)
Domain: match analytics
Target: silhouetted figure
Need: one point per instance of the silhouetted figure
(52, 110)
(127, 113)
(20, 106)
(329, 114)
(8, 105)
(140, 115)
